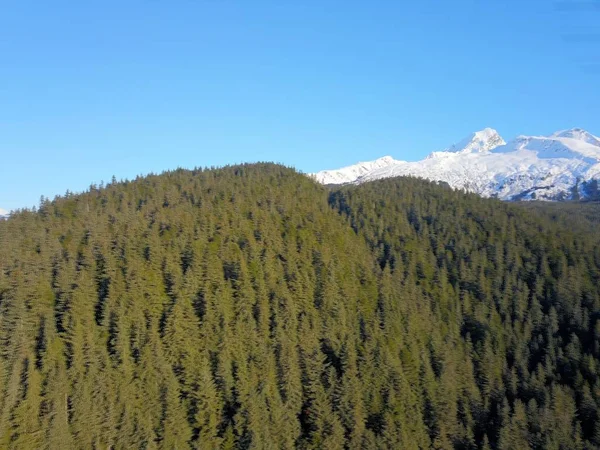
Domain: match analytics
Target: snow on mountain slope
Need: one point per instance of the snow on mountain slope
(555, 167)
(4, 214)
(578, 134)
(558, 145)
(480, 141)
(352, 173)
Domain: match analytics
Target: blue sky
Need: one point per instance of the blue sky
(100, 88)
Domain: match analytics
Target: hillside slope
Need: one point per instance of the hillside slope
(519, 287)
(249, 307)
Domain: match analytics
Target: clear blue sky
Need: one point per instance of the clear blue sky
(95, 88)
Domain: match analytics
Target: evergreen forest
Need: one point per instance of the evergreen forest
(248, 307)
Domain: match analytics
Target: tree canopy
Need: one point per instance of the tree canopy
(249, 307)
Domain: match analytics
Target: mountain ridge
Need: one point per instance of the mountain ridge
(562, 166)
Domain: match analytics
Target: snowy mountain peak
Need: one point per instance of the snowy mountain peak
(478, 142)
(579, 134)
(564, 165)
(488, 135)
(384, 160)
(350, 174)
(568, 144)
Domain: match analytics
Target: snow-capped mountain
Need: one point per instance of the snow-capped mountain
(564, 165)
(352, 173)
(478, 142)
(4, 214)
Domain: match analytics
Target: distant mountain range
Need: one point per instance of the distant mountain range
(562, 166)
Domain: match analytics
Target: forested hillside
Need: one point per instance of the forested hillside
(511, 294)
(249, 307)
